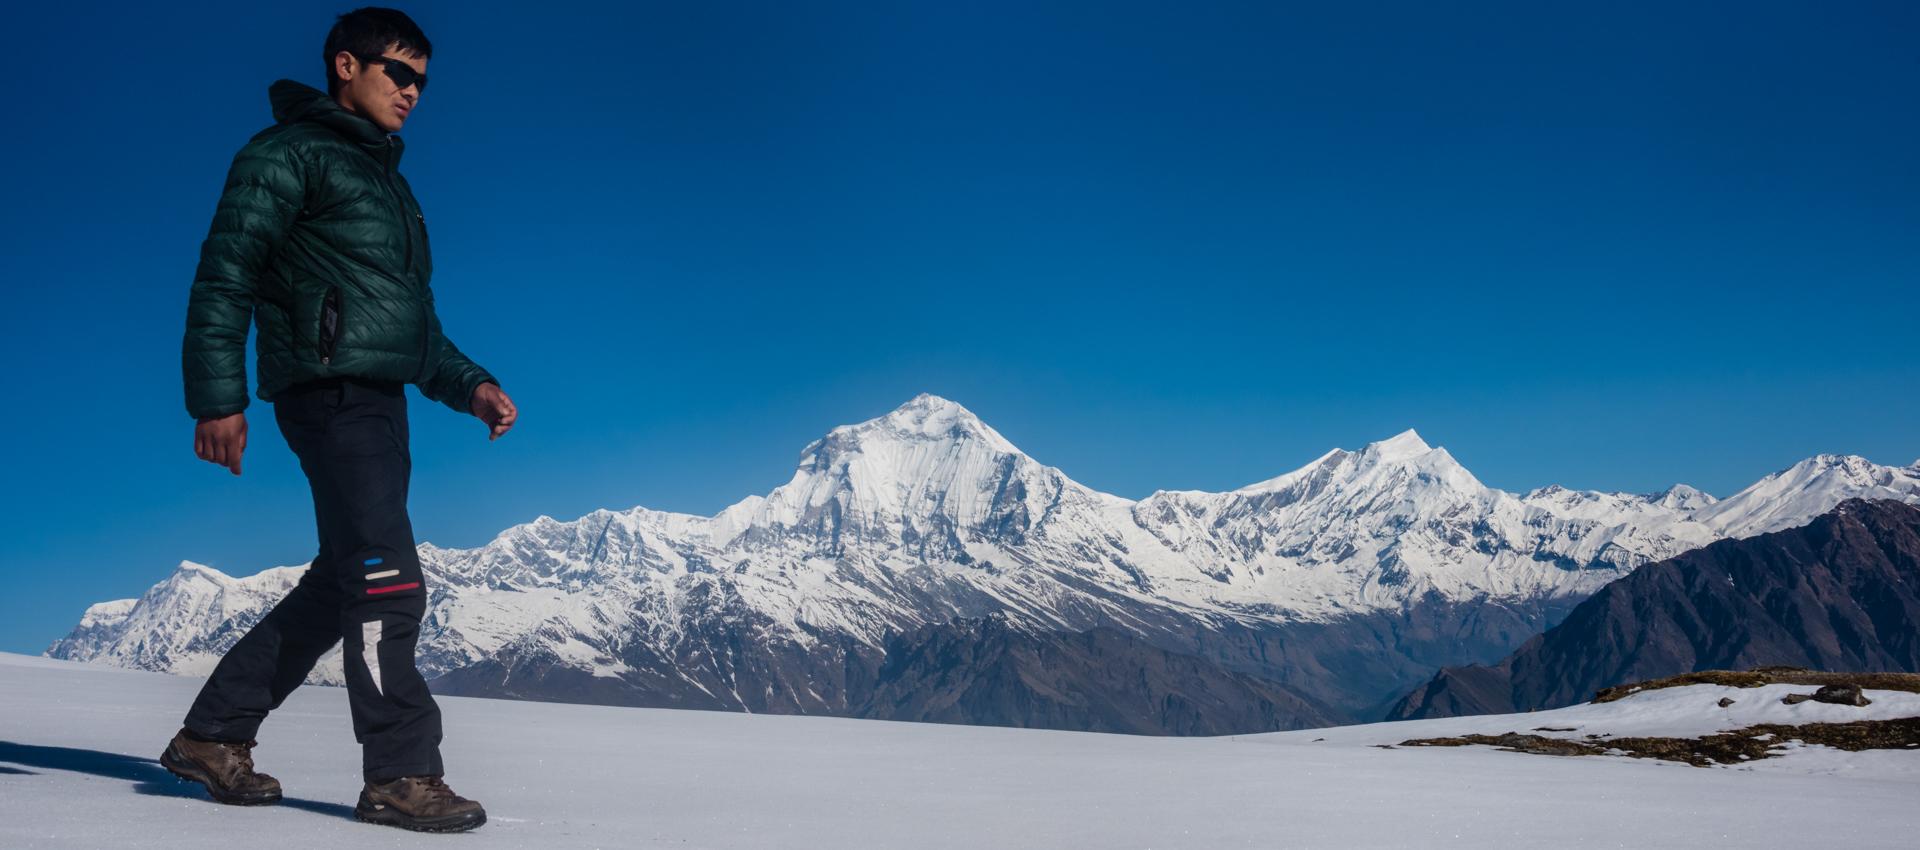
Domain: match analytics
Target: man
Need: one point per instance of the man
(318, 241)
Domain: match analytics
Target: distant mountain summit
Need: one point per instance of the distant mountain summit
(1810, 487)
(1839, 593)
(1340, 584)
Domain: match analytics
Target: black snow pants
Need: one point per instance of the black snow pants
(365, 587)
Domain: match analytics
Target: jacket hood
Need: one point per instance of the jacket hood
(295, 101)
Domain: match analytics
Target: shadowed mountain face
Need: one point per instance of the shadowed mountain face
(1193, 678)
(990, 672)
(1337, 586)
(1840, 593)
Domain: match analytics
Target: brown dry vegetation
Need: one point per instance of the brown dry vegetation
(1753, 742)
(1748, 744)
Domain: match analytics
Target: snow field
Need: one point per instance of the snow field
(76, 743)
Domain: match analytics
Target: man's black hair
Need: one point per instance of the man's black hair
(370, 31)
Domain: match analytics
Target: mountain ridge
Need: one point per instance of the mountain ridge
(926, 514)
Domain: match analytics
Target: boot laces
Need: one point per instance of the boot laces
(242, 753)
(437, 789)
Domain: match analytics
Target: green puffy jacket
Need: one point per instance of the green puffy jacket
(318, 239)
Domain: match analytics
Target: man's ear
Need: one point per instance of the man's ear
(344, 66)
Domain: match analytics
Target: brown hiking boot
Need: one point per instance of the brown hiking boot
(225, 768)
(421, 803)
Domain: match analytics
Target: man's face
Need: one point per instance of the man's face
(366, 89)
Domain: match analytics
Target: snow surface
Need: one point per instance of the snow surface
(77, 743)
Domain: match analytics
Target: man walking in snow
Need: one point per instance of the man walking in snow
(317, 240)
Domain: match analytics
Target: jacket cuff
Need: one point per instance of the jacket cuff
(462, 401)
(217, 411)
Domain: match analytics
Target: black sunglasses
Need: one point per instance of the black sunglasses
(399, 72)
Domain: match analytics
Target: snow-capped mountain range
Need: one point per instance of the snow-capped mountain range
(902, 522)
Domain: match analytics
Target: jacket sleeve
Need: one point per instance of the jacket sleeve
(453, 377)
(263, 194)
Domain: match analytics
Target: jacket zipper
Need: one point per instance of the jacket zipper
(393, 191)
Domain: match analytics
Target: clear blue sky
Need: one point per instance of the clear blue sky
(1157, 246)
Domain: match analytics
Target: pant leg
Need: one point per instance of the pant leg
(270, 661)
(357, 461)
(275, 656)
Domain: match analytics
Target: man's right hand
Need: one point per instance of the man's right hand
(221, 439)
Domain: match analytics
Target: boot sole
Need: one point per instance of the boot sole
(391, 816)
(189, 772)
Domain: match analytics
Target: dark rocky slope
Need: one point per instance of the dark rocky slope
(988, 671)
(985, 670)
(1840, 593)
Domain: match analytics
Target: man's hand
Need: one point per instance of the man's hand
(221, 439)
(491, 404)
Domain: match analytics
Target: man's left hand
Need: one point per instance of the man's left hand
(491, 404)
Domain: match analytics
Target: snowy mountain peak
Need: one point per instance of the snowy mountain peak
(926, 418)
(1833, 460)
(930, 416)
(189, 569)
(1407, 452)
(1405, 445)
(929, 460)
(178, 623)
(1398, 449)
(107, 613)
(1682, 497)
(189, 577)
(1851, 468)
(1808, 488)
